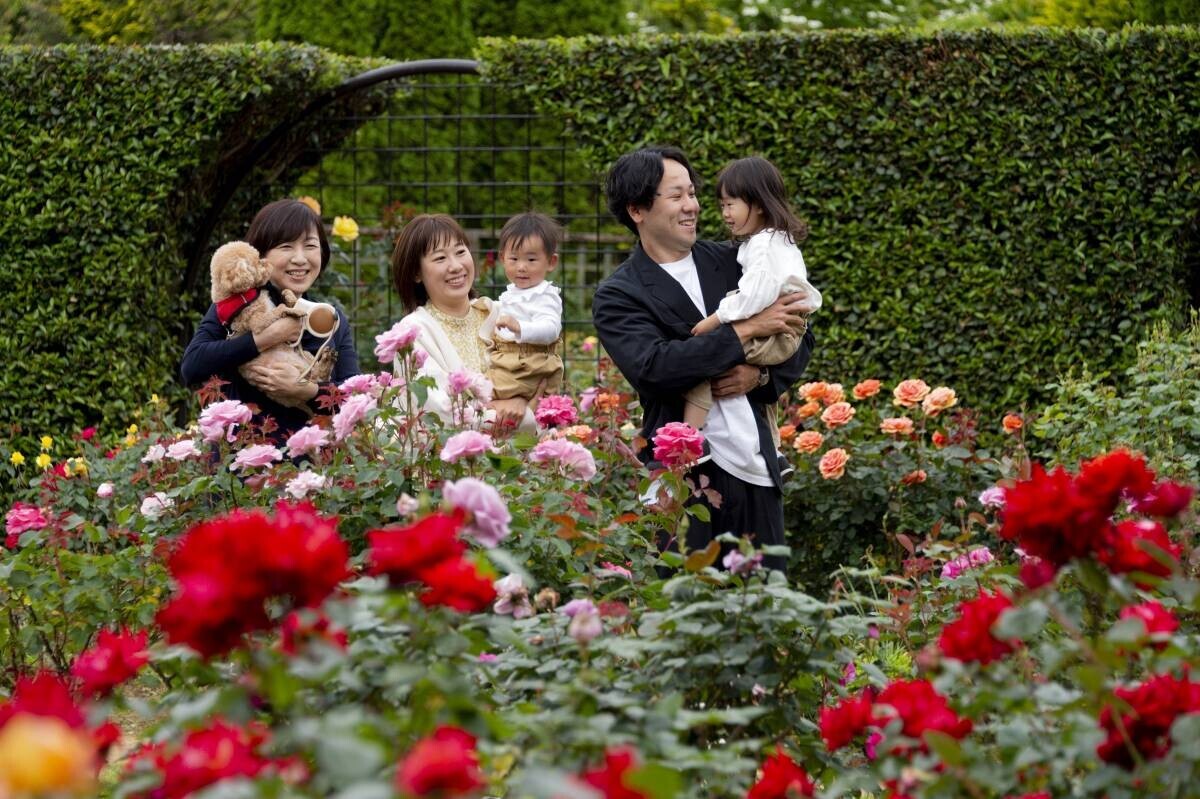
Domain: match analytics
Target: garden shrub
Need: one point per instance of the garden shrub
(986, 209)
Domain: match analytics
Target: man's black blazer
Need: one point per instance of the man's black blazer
(644, 319)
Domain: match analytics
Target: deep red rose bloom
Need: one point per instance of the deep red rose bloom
(610, 778)
(444, 765)
(1126, 552)
(220, 751)
(1153, 707)
(1109, 477)
(457, 584)
(44, 694)
(781, 779)
(1165, 499)
(920, 708)
(1052, 520)
(115, 658)
(1159, 621)
(845, 721)
(306, 559)
(1036, 572)
(403, 553)
(969, 637)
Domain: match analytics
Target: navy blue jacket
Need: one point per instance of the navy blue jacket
(212, 353)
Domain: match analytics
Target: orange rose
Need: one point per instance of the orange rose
(808, 442)
(1012, 423)
(939, 439)
(838, 414)
(311, 202)
(914, 477)
(867, 388)
(606, 401)
(834, 393)
(787, 432)
(909, 393)
(833, 463)
(897, 426)
(579, 432)
(939, 400)
(813, 392)
(41, 755)
(809, 410)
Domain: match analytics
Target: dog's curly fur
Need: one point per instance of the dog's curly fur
(236, 268)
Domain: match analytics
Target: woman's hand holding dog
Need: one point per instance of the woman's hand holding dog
(284, 330)
(281, 381)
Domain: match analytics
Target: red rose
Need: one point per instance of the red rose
(218, 752)
(1158, 621)
(1165, 499)
(1036, 572)
(1052, 519)
(1153, 707)
(969, 637)
(115, 658)
(610, 778)
(445, 765)
(1126, 551)
(920, 708)
(403, 553)
(781, 779)
(1107, 478)
(845, 721)
(457, 584)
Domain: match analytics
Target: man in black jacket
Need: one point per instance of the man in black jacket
(644, 315)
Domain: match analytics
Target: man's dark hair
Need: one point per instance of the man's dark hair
(634, 179)
(530, 225)
(285, 221)
(756, 182)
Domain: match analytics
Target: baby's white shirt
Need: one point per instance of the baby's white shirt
(538, 309)
(771, 265)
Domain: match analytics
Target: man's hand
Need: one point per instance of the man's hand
(509, 414)
(785, 315)
(736, 382)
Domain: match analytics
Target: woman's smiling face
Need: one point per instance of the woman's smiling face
(448, 273)
(295, 264)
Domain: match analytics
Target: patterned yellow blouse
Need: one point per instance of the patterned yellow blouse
(463, 333)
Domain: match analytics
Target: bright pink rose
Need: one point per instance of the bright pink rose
(359, 384)
(467, 444)
(463, 381)
(307, 439)
(555, 410)
(677, 444)
(353, 411)
(400, 337)
(488, 518)
(567, 454)
(256, 456)
(22, 518)
(220, 420)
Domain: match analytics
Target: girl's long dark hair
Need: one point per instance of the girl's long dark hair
(756, 182)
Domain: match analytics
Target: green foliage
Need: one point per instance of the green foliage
(1115, 13)
(109, 158)
(986, 209)
(158, 21)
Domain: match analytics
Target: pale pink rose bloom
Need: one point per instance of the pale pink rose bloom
(909, 393)
(833, 463)
(567, 454)
(220, 420)
(588, 398)
(307, 439)
(104, 490)
(838, 414)
(489, 519)
(182, 450)
(154, 506)
(555, 410)
(406, 505)
(585, 626)
(737, 563)
(613, 568)
(22, 518)
(154, 454)
(462, 381)
(677, 444)
(305, 483)
(939, 400)
(576, 606)
(256, 456)
(419, 357)
(352, 411)
(992, 497)
(896, 426)
(758, 692)
(467, 444)
(400, 337)
(512, 597)
(359, 384)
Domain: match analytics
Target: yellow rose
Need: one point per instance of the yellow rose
(133, 428)
(47, 442)
(345, 228)
(311, 202)
(80, 467)
(42, 461)
(41, 755)
(17, 459)
(154, 400)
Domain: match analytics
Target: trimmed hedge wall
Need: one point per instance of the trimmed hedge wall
(986, 210)
(109, 160)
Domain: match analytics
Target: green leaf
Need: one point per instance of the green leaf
(1022, 622)
(945, 747)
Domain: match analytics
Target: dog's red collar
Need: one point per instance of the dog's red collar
(229, 307)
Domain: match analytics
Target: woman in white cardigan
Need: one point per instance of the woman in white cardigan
(434, 275)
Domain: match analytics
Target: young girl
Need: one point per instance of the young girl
(755, 206)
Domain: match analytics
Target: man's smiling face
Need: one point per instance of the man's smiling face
(669, 224)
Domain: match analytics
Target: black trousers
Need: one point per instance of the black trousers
(747, 510)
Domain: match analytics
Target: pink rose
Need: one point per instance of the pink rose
(221, 419)
(567, 454)
(613, 568)
(939, 400)
(837, 414)
(737, 563)
(462, 381)
(808, 442)
(587, 398)
(585, 626)
(104, 490)
(867, 388)
(22, 518)
(677, 444)
(400, 337)
(182, 450)
(992, 497)
(512, 597)
(352, 411)
(467, 444)
(307, 439)
(154, 453)
(305, 483)
(256, 456)
(359, 384)
(489, 516)
(833, 463)
(555, 410)
(897, 426)
(577, 606)
(154, 506)
(909, 393)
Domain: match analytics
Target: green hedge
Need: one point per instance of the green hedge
(987, 210)
(109, 160)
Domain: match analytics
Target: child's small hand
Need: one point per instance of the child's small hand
(507, 322)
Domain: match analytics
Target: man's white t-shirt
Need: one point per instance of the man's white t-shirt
(730, 431)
